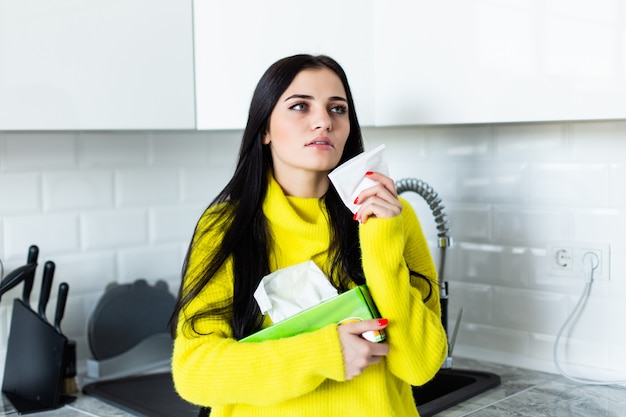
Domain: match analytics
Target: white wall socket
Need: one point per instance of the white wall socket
(568, 257)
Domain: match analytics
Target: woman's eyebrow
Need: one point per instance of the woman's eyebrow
(308, 97)
(302, 96)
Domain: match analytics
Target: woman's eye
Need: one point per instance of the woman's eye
(339, 109)
(299, 106)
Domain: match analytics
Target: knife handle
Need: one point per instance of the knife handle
(15, 277)
(64, 289)
(46, 285)
(33, 254)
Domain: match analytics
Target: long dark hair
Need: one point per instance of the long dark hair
(238, 208)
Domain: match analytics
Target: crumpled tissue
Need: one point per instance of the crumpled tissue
(349, 178)
(288, 291)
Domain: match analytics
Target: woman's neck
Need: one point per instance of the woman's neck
(305, 184)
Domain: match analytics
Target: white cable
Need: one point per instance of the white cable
(591, 262)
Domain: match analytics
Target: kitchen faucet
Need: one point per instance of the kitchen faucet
(444, 241)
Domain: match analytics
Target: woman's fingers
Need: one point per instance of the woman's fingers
(387, 182)
(380, 200)
(377, 208)
(359, 353)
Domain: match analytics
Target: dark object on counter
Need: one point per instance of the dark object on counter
(33, 370)
(127, 333)
(64, 289)
(46, 286)
(451, 387)
(29, 280)
(15, 277)
(70, 385)
(37, 351)
(127, 330)
(150, 395)
(127, 314)
(70, 380)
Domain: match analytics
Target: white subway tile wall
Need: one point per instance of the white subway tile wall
(118, 206)
(511, 192)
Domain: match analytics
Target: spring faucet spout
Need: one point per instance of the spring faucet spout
(433, 200)
(444, 241)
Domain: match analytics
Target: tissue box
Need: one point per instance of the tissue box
(353, 305)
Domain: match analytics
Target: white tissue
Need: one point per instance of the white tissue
(349, 178)
(288, 291)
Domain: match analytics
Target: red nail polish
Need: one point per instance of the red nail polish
(354, 217)
(356, 200)
(382, 322)
(369, 173)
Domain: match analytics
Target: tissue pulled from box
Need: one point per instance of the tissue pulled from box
(349, 178)
(288, 291)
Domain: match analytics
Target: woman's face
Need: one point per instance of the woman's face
(309, 125)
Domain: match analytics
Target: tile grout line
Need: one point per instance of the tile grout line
(497, 402)
(509, 397)
(81, 411)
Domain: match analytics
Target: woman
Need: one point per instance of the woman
(278, 210)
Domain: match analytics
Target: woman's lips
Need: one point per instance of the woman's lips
(320, 142)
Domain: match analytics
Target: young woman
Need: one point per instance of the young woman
(280, 209)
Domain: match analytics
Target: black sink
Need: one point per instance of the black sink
(451, 387)
(153, 395)
(147, 395)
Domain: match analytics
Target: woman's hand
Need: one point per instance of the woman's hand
(359, 353)
(380, 200)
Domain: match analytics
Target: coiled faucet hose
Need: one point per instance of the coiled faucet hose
(433, 200)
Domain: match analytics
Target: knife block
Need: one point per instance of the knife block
(34, 367)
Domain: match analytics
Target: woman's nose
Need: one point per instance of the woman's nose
(322, 120)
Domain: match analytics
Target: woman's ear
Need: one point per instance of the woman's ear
(266, 138)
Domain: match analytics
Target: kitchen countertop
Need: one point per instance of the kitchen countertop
(527, 393)
(522, 393)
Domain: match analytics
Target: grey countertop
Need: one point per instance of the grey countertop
(522, 393)
(526, 393)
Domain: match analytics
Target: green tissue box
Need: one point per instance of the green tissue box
(353, 305)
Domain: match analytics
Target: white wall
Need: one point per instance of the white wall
(511, 191)
(117, 206)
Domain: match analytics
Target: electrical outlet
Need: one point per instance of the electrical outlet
(569, 258)
(603, 253)
(561, 257)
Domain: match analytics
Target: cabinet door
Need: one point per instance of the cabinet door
(458, 61)
(235, 42)
(90, 64)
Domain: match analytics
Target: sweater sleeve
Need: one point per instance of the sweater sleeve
(211, 368)
(215, 369)
(391, 247)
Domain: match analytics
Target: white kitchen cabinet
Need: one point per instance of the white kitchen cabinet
(235, 42)
(489, 61)
(92, 64)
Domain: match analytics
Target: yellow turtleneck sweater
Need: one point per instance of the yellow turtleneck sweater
(304, 375)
